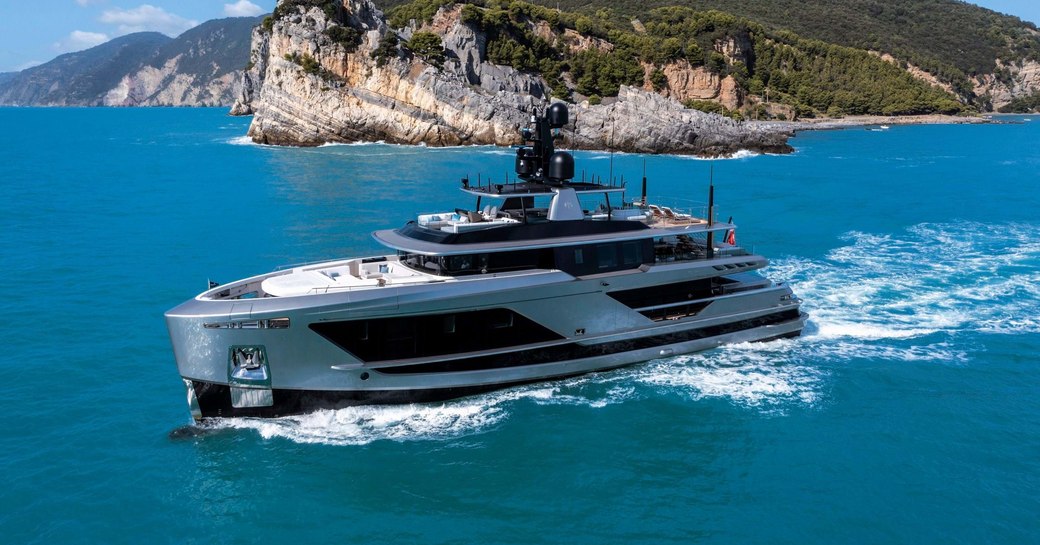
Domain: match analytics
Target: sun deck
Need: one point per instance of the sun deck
(351, 274)
(453, 233)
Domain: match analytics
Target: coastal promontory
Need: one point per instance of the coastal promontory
(331, 73)
(667, 80)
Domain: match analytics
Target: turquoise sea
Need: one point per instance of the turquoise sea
(909, 412)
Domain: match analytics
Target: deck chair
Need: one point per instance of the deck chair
(675, 216)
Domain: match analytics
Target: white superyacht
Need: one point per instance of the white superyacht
(533, 283)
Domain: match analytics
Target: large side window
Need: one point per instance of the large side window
(632, 253)
(601, 258)
(606, 257)
(382, 339)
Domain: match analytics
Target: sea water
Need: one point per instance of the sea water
(908, 412)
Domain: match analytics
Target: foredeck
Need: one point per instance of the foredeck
(346, 275)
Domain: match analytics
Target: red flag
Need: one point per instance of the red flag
(731, 237)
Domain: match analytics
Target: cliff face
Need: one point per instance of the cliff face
(344, 96)
(201, 67)
(685, 82)
(350, 98)
(1020, 80)
(168, 86)
(646, 122)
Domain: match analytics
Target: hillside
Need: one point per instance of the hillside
(212, 49)
(955, 41)
(708, 60)
(986, 58)
(83, 77)
(201, 67)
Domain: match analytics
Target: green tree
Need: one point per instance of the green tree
(658, 79)
(348, 37)
(428, 46)
(387, 49)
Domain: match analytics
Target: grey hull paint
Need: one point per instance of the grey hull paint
(214, 400)
(299, 359)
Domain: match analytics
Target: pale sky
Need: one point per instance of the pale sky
(34, 32)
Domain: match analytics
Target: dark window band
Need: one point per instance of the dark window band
(573, 351)
(405, 337)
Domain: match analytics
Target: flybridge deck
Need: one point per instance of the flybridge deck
(532, 189)
(453, 233)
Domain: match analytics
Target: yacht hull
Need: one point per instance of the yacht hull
(213, 400)
(304, 368)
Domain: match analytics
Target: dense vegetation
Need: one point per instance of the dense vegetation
(1022, 105)
(948, 38)
(406, 11)
(811, 76)
(348, 37)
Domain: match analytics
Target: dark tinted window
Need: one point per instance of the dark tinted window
(600, 258)
(606, 256)
(381, 339)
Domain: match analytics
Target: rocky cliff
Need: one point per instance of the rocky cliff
(306, 87)
(1011, 81)
(201, 67)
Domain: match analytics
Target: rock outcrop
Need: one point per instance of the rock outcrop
(646, 122)
(1020, 80)
(1010, 81)
(407, 101)
(167, 86)
(686, 82)
(307, 89)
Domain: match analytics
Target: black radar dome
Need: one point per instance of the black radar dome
(557, 114)
(561, 166)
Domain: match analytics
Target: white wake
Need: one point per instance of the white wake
(907, 297)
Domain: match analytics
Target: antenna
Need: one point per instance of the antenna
(711, 193)
(610, 145)
(711, 209)
(642, 197)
